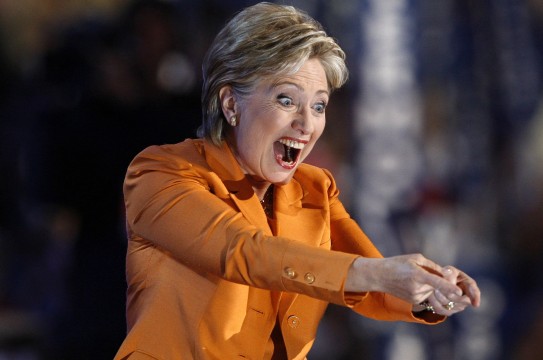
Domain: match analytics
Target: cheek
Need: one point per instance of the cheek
(251, 143)
(319, 128)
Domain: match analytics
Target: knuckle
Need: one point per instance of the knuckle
(418, 256)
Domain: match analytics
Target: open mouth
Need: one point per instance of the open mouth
(287, 152)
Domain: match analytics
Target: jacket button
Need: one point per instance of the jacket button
(309, 278)
(290, 273)
(293, 321)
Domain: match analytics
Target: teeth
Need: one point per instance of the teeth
(292, 143)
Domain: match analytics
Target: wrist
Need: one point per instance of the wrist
(360, 276)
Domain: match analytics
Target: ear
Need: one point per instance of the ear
(228, 101)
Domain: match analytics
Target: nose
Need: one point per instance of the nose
(303, 122)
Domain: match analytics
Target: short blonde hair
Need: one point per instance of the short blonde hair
(263, 40)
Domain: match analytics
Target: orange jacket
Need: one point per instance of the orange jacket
(207, 278)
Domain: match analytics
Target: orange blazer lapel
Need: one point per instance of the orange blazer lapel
(297, 220)
(223, 163)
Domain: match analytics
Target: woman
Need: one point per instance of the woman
(235, 246)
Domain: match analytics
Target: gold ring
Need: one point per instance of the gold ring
(449, 306)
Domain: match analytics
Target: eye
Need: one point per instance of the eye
(285, 100)
(320, 107)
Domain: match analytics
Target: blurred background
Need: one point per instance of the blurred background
(436, 142)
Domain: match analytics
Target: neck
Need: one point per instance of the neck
(259, 185)
(262, 190)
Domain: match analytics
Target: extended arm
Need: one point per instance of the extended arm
(412, 278)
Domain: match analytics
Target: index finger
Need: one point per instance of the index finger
(471, 289)
(443, 285)
(429, 265)
(434, 277)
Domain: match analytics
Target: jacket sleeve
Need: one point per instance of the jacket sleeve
(347, 236)
(171, 204)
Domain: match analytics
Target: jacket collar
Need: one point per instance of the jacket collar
(291, 217)
(222, 161)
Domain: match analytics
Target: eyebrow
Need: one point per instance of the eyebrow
(287, 82)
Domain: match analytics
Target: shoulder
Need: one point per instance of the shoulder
(188, 148)
(315, 180)
(181, 155)
(307, 173)
(161, 166)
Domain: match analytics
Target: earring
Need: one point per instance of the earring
(233, 120)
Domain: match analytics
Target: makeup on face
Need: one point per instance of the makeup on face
(280, 122)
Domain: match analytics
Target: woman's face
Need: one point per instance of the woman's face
(280, 122)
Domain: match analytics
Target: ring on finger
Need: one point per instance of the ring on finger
(449, 306)
(428, 307)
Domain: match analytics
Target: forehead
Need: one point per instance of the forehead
(310, 77)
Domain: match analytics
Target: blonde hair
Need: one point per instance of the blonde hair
(263, 40)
